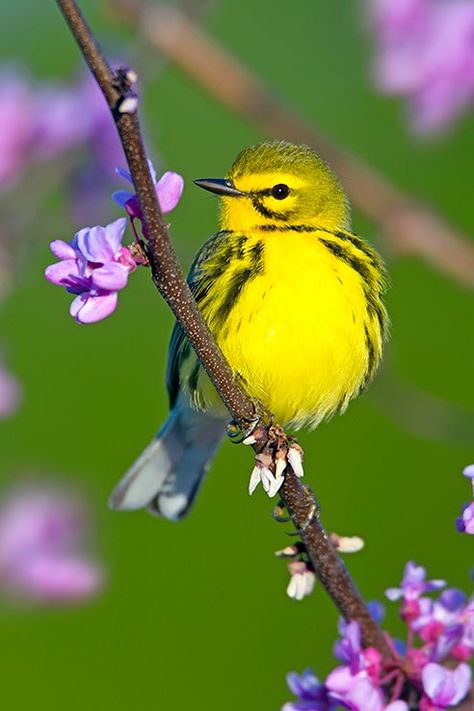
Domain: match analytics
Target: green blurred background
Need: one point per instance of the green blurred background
(195, 615)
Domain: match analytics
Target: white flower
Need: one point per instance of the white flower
(301, 582)
(271, 484)
(295, 459)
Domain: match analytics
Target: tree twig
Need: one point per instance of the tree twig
(168, 278)
(407, 226)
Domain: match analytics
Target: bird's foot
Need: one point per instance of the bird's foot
(243, 432)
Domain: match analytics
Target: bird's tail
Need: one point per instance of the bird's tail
(167, 474)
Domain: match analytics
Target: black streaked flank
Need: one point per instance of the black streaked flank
(345, 255)
(371, 358)
(236, 283)
(239, 249)
(256, 256)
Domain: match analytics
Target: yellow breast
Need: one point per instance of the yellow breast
(298, 332)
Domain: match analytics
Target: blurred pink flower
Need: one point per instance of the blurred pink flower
(16, 112)
(425, 52)
(41, 120)
(10, 393)
(41, 537)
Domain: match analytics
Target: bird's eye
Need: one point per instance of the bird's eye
(280, 191)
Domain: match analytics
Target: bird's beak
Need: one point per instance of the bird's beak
(220, 186)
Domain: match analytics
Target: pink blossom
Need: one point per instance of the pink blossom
(95, 267)
(41, 539)
(446, 687)
(425, 51)
(169, 189)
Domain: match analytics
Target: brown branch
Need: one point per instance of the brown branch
(408, 227)
(168, 278)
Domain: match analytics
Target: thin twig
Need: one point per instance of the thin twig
(407, 226)
(168, 278)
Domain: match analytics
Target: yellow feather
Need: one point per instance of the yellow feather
(293, 299)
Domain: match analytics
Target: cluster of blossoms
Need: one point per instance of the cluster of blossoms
(95, 266)
(429, 672)
(425, 52)
(42, 535)
(465, 522)
(40, 121)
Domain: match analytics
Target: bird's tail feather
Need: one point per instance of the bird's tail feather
(166, 476)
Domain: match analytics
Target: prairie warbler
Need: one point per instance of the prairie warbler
(293, 299)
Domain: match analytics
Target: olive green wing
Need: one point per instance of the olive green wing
(200, 282)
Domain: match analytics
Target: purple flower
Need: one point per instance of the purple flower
(354, 691)
(439, 630)
(413, 584)
(445, 687)
(94, 266)
(10, 394)
(169, 189)
(465, 522)
(469, 471)
(426, 52)
(41, 534)
(312, 695)
(348, 649)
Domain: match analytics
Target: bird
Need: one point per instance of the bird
(295, 302)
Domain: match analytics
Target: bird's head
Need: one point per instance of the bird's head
(279, 183)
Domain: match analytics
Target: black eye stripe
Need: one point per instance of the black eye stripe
(279, 192)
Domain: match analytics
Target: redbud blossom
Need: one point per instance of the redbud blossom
(425, 52)
(41, 542)
(169, 189)
(432, 664)
(94, 266)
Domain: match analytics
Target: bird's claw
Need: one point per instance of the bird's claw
(239, 432)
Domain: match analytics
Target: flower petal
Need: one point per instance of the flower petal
(111, 276)
(124, 174)
(63, 273)
(121, 197)
(93, 245)
(77, 304)
(96, 308)
(57, 578)
(169, 189)
(446, 687)
(114, 234)
(254, 479)
(62, 250)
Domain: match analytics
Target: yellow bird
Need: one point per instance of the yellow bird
(294, 301)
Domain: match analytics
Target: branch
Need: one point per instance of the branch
(408, 227)
(168, 278)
